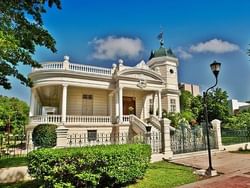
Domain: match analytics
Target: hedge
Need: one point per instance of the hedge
(96, 166)
(44, 135)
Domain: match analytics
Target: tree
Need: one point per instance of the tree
(197, 108)
(240, 121)
(21, 30)
(185, 100)
(191, 107)
(13, 114)
(217, 105)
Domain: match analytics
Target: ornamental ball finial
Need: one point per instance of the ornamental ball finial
(120, 61)
(66, 58)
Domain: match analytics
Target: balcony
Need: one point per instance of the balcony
(74, 67)
(71, 120)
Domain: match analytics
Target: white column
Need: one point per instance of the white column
(159, 105)
(116, 105)
(120, 105)
(154, 106)
(35, 107)
(64, 102)
(110, 105)
(145, 107)
(32, 102)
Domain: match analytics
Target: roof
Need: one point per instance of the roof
(162, 51)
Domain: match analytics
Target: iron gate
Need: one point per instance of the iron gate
(185, 139)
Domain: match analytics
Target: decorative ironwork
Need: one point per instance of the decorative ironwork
(13, 145)
(81, 140)
(235, 136)
(185, 140)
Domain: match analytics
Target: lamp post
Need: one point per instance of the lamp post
(215, 67)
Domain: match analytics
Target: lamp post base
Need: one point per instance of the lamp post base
(211, 172)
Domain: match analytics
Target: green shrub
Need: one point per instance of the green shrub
(44, 135)
(96, 166)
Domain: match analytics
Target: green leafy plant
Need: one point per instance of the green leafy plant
(21, 31)
(44, 135)
(96, 166)
(14, 115)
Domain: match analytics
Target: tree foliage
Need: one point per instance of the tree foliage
(21, 30)
(192, 106)
(239, 121)
(185, 100)
(13, 114)
(217, 105)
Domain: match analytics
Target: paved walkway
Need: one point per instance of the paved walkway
(235, 168)
(14, 174)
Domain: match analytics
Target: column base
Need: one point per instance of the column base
(168, 154)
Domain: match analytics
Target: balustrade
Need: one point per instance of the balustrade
(125, 119)
(71, 119)
(75, 67)
(46, 119)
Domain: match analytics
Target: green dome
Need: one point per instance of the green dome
(161, 52)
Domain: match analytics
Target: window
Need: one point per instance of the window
(151, 106)
(172, 105)
(92, 135)
(171, 71)
(87, 104)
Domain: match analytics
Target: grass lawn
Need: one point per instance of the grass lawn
(163, 175)
(13, 162)
(26, 184)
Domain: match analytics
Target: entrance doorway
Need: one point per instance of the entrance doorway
(129, 105)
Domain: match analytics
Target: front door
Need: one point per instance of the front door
(129, 106)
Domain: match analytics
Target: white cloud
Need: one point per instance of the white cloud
(113, 47)
(214, 46)
(183, 54)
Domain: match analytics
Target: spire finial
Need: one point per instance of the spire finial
(160, 37)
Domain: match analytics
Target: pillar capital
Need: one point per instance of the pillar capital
(65, 85)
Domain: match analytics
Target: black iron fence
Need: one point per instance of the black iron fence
(81, 140)
(185, 139)
(235, 136)
(13, 145)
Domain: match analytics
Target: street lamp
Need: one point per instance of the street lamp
(215, 67)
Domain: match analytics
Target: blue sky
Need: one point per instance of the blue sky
(199, 31)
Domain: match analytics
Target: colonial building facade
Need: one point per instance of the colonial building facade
(90, 99)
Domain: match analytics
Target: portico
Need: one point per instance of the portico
(69, 105)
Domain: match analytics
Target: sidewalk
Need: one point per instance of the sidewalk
(235, 168)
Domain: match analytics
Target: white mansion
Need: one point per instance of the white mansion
(90, 99)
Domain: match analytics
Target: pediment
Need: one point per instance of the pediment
(140, 74)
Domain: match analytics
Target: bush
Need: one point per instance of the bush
(96, 166)
(44, 135)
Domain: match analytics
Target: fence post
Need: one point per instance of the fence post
(61, 137)
(217, 127)
(29, 142)
(166, 140)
